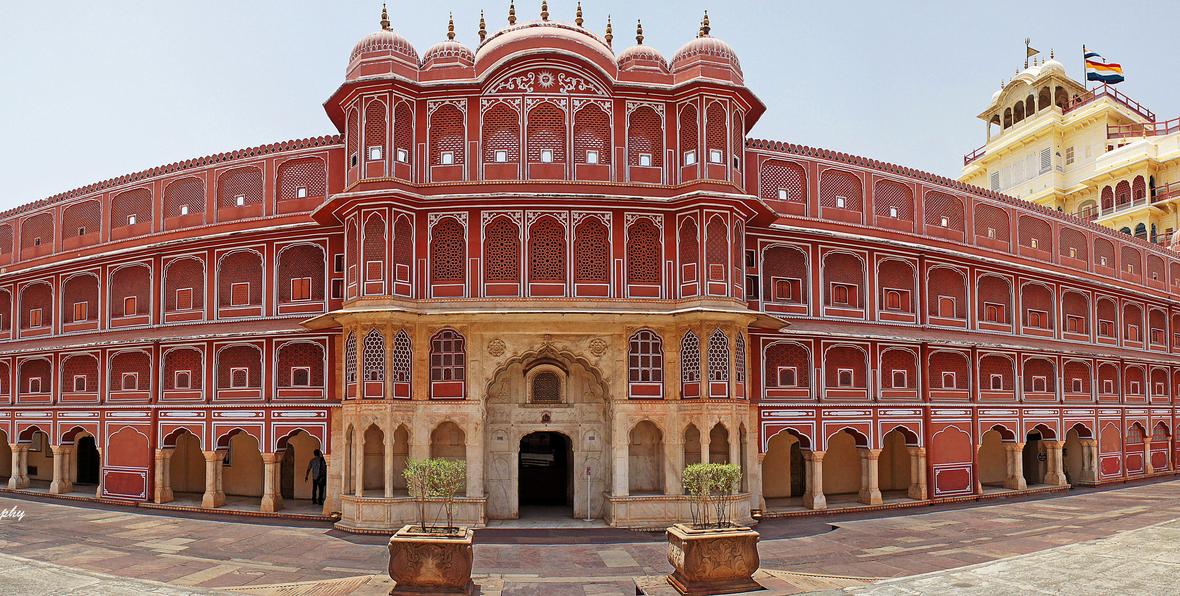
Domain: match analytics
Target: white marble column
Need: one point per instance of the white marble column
(20, 470)
(620, 456)
(870, 486)
(214, 495)
(163, 492)
(388, 468)
(475, 453)
(272, 498)
(358, 475)
(1015, 479)
(917, 488)
(813, 497)
(61, 469)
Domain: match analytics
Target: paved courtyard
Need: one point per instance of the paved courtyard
(1091, 541)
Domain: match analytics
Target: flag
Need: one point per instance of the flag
(1097, 69)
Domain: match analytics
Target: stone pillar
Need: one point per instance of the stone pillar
(333, 488)
(1015, 479)
(1089, 460)
(673, 464)
(214, 495)
(1148, 469)
(163, 492)
(870, 486)
(813, 497)
(20, 469)
(61, 469)
(917, 488)
(475, 452)
(1055, 474)
(620, 456)
(98, 489)
(272, 498)
(388, 471)
(358, 475)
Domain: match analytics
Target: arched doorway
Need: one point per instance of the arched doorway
(893, 464)
(545, 478)
(784, 477)
(1035, 457)
(298, 450)
(186, 467)
(645, 460)
(5, 458)
(992, 462)
(1073, 455)
(241, 465)
(88, 461)
(842, 468)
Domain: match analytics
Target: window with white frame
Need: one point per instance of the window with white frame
(716, 156)
(645, 160)
(129, 381)
(690, 158)
(239, 377)
(182, 379)
(844, 377)
(591, 156)
(375, 153)
(300, 376)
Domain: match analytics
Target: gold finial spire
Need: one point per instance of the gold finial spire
(705, 26)
(511, 12)
(610, 34)
(578, 15)
(1051, 56)
(483, 28)
(384, 18)
(451, 28)
(639, 32)
(544, 10)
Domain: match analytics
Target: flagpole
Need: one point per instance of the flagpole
(1085, 79)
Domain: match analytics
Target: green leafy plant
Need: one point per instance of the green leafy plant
(709, 487)
(436, 478)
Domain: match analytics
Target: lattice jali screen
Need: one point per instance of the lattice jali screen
(893, 199)
(592, 133)
(946, 282)
(1039, 367)
(37, 231)
(844, 357)
(139, 364)
(718, 357)
(403, 131)
(546, 131)
(350, 370)
(184, 274)
(240, 267)
(1073, 244)
(783, 262)
(948, 362)
(300, 354)
(992, 222)
(841, 267)
(1075, 304)
(645, 358)
(403, 243)
(309, 174)
(788, 356)
(837, 184)
(34, 369)
(135, 203)
(5, 239)
(447, 134)
(941, 207)
(776, 176)
(690, 358)
(301, 261)
(447, 251)
(547, 261)
(995, 290)
(375, 127)
(1107, 197)
(898, 360)
(1138, 188)
(1036, 231)
(5, 307)
(185, 192)
(501, 251)
(248, 357)
(1132, 261)
(81, 218)
(737, 259)
(80, 289)
(896, 275)
(737, 132)
(183, 360)
(645, 134)
(997, 367)
(354, 133)
(5, 375)
(1122, 193)
(546, 388)
(739, 359)
(644, 256)
(689, 244)
(84, 366)
(717, 242)
(1155, 268)
(591, 251)
(1104, 253)
(374, 242)
(403, 358)
(37, 295)
(716, 128)
(240, 184)
(501, 132)
(689, 134)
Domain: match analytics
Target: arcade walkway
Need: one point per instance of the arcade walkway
(261, 556)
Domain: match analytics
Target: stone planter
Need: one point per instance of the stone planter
(713, 561)
(423, 563)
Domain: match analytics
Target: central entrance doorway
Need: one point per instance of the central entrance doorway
(88, 461)
(546, 475)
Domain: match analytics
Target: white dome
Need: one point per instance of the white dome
(1052, 65)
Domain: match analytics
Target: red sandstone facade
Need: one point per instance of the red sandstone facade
(864, 316)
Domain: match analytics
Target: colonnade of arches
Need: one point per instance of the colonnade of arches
(374, 460)
(236, 466)
(72, 465)
(655, 465)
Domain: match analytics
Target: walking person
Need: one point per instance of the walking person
(317, 469)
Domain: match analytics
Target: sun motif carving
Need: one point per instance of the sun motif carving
(545, 79)
(496, 347)
(598, 346)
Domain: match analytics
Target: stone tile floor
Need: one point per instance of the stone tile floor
(271, 556)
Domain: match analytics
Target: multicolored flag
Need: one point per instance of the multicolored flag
(1097, 69)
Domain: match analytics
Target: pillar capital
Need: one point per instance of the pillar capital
(870, 453)
(211, 456)
(813, 455)
(271, 458)
(916, 450)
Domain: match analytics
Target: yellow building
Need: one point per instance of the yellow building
(1092, 152)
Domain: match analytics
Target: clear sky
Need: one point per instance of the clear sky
(92, 90)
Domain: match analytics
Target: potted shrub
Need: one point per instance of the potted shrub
(712, 555)
(433, 558)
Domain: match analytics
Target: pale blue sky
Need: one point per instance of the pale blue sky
(92, 90)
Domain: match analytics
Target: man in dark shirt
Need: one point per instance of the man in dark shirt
(317, 469)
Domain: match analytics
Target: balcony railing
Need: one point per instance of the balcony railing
(1165, 192)
(1114, 94)
(974, 155)
(1146, 129)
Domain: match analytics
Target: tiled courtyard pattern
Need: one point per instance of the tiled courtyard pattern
(269, 557)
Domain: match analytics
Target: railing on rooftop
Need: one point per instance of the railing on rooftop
(1114, 94)
(1146, 129)
(1088, 213)
(974, 155)
(1165, 192)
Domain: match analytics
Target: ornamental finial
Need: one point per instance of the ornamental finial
(610, 34)
(544, 10)
(384, 18)
(483, 27)
(639, 32)
(511, 12)
(1051, 57)
(578, 15)
(705, 25)
(451, 28)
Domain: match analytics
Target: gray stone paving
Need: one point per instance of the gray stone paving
(25, 577)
